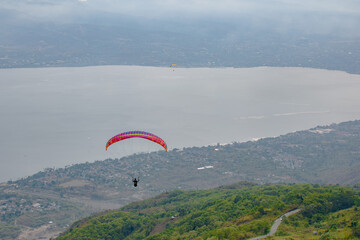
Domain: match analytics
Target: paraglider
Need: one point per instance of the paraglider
(138, 134)
(172, 66)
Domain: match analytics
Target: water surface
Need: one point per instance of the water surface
(52, 117)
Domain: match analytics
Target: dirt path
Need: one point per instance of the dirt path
(276, 224)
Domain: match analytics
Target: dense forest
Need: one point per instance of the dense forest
(238, 211)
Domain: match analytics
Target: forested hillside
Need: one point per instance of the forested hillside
(238, 211)
(322, 155)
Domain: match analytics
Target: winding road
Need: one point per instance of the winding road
(276, 224)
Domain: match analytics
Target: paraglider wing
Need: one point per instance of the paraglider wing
(139, 134)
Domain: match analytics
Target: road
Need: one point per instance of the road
(276, 224)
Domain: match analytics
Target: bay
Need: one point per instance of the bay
(53, 117)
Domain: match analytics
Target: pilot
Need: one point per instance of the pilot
(135, 181)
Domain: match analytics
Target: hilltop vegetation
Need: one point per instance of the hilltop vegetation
(322, 155)
(238, 211)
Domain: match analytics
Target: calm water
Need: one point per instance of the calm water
(52, 117)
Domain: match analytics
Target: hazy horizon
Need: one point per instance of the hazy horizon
(192, 33)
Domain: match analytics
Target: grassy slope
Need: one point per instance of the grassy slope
(238, 211)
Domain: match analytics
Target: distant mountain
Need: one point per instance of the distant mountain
(239, 211)
(321, 155)
(83, 37)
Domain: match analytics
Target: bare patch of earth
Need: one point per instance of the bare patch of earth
(161, 226)
(44, 232)
(75, 183)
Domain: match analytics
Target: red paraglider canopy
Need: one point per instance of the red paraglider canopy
(139, 134)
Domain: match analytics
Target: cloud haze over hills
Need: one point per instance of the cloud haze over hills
(321, 34)
(198, 7)
(323, 15)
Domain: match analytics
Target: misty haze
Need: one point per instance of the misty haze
(254, 106)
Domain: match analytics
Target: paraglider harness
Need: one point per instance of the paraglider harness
(135, 181)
